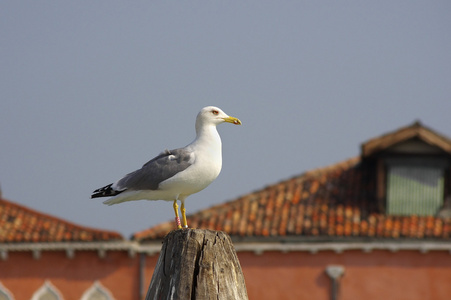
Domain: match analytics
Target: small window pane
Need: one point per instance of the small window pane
(48, 295)
(97, 295)
(97, 292)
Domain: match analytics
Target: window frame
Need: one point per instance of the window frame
(383, 166)
(97, 287)
(47, 287)
(6, 292)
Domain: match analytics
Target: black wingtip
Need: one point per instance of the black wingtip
(96, 195)
(106, 191)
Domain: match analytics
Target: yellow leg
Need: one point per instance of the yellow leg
(176, 210)
(185, 224)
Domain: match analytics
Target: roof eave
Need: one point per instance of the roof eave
(416, 130)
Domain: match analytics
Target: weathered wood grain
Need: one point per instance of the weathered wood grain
(197, 264)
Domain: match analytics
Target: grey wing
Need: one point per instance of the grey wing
(158, 169)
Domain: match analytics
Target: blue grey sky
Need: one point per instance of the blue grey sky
(91, 90)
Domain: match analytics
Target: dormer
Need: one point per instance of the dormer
(412, 171)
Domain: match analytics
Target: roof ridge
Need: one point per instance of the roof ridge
(310, 173)
(415, 130)
(338, 165)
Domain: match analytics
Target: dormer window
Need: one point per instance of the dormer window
(414, 185)
(412, 171)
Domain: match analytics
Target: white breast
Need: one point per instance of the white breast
(205, 168)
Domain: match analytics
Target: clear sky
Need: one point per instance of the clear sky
(91, 90)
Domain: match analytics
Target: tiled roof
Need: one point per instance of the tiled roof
(332, 202)
(19, 224)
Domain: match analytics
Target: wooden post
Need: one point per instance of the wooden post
(197, 264)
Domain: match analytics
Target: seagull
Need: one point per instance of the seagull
(175, 174)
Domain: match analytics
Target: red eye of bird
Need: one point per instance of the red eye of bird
(215, 112)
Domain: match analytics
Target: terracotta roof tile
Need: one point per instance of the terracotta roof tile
(336, 201)
(19, 224)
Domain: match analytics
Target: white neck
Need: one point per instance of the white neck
(208, 135)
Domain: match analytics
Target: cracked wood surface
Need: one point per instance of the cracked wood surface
(197, 264)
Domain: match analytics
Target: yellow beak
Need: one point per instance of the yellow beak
(232, 120)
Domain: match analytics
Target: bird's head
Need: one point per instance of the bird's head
(214, 116)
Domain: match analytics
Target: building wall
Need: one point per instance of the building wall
(376, 275)
(23, 275)
(271, 275)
